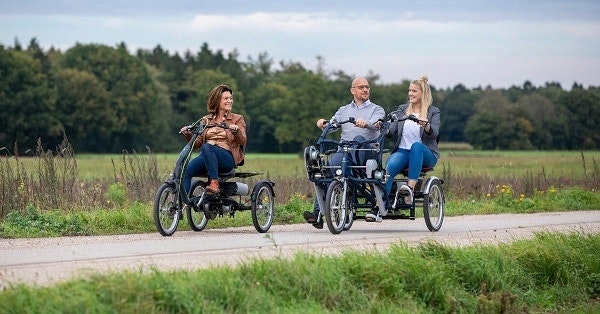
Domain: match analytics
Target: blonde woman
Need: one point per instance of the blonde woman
(416, 144)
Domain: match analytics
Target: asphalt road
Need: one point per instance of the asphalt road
(49, 260)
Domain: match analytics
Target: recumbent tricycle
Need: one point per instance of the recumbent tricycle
(200, 206)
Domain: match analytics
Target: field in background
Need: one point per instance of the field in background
(88, 181)
(497, 164)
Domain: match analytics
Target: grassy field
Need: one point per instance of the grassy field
(464, 162)
(476, 182)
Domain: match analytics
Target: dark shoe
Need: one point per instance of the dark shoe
(309, 217)
(373, 215)
(318, 224)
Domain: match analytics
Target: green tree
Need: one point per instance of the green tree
(26, 103)
(262, 104)
(307, 99)
(84, 108)
(542, 113)
(456, 108)
(498, 124)
(583, 118)
(133, 94)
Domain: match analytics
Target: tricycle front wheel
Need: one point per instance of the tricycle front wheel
(166, 209)
(195, 215)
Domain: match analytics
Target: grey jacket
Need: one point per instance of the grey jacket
(429, 140)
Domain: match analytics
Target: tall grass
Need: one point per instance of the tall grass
(50, 181)
(57, 180)
(551, 273)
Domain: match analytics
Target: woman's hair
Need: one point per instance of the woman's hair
(214, 98)
(426, 99)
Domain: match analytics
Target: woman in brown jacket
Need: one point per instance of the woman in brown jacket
(220, 148)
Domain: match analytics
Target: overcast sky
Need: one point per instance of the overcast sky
(474, 43)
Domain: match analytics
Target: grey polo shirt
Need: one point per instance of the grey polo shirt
(368, 111)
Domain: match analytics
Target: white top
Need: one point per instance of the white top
(411, 133)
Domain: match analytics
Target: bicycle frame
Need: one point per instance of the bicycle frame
(176, 178)
(366, 181)
(355, 178)
(350, 187)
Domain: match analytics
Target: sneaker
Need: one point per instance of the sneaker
(373, 215)
(407, 192)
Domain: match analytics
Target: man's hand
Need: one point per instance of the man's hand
(361, 123)
(321, 123)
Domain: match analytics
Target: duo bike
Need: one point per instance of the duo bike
(355, 187)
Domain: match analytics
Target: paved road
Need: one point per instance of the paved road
(49, 260)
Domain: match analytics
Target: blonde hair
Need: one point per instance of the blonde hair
(426, 99)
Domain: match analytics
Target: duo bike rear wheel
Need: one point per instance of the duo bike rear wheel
(434, 205)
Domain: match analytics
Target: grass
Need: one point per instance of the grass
(549, 273)
(137, 217)
(50, 191)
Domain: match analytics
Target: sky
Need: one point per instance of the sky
(476, 43)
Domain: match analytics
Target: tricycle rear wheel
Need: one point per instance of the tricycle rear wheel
(262, 206)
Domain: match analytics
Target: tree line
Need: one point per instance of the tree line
(106, 100)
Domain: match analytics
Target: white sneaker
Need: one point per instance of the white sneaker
(373, 216)
(407, 192)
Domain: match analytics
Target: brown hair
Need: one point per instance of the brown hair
(214, 98)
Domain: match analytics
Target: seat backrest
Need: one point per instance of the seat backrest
(243, 147)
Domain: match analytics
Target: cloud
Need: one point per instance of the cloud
(475, 44)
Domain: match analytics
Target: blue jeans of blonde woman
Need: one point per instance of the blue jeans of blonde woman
(417, 157)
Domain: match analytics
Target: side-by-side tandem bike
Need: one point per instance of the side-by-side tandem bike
(353, 188)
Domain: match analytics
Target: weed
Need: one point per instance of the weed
(116, 194)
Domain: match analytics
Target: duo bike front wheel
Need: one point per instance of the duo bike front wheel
(167, 209)
(336, 208)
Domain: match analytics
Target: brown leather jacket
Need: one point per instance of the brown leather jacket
(235, 140)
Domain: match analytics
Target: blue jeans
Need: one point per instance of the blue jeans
(212, 160)
(360, 157)
(417, 157)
